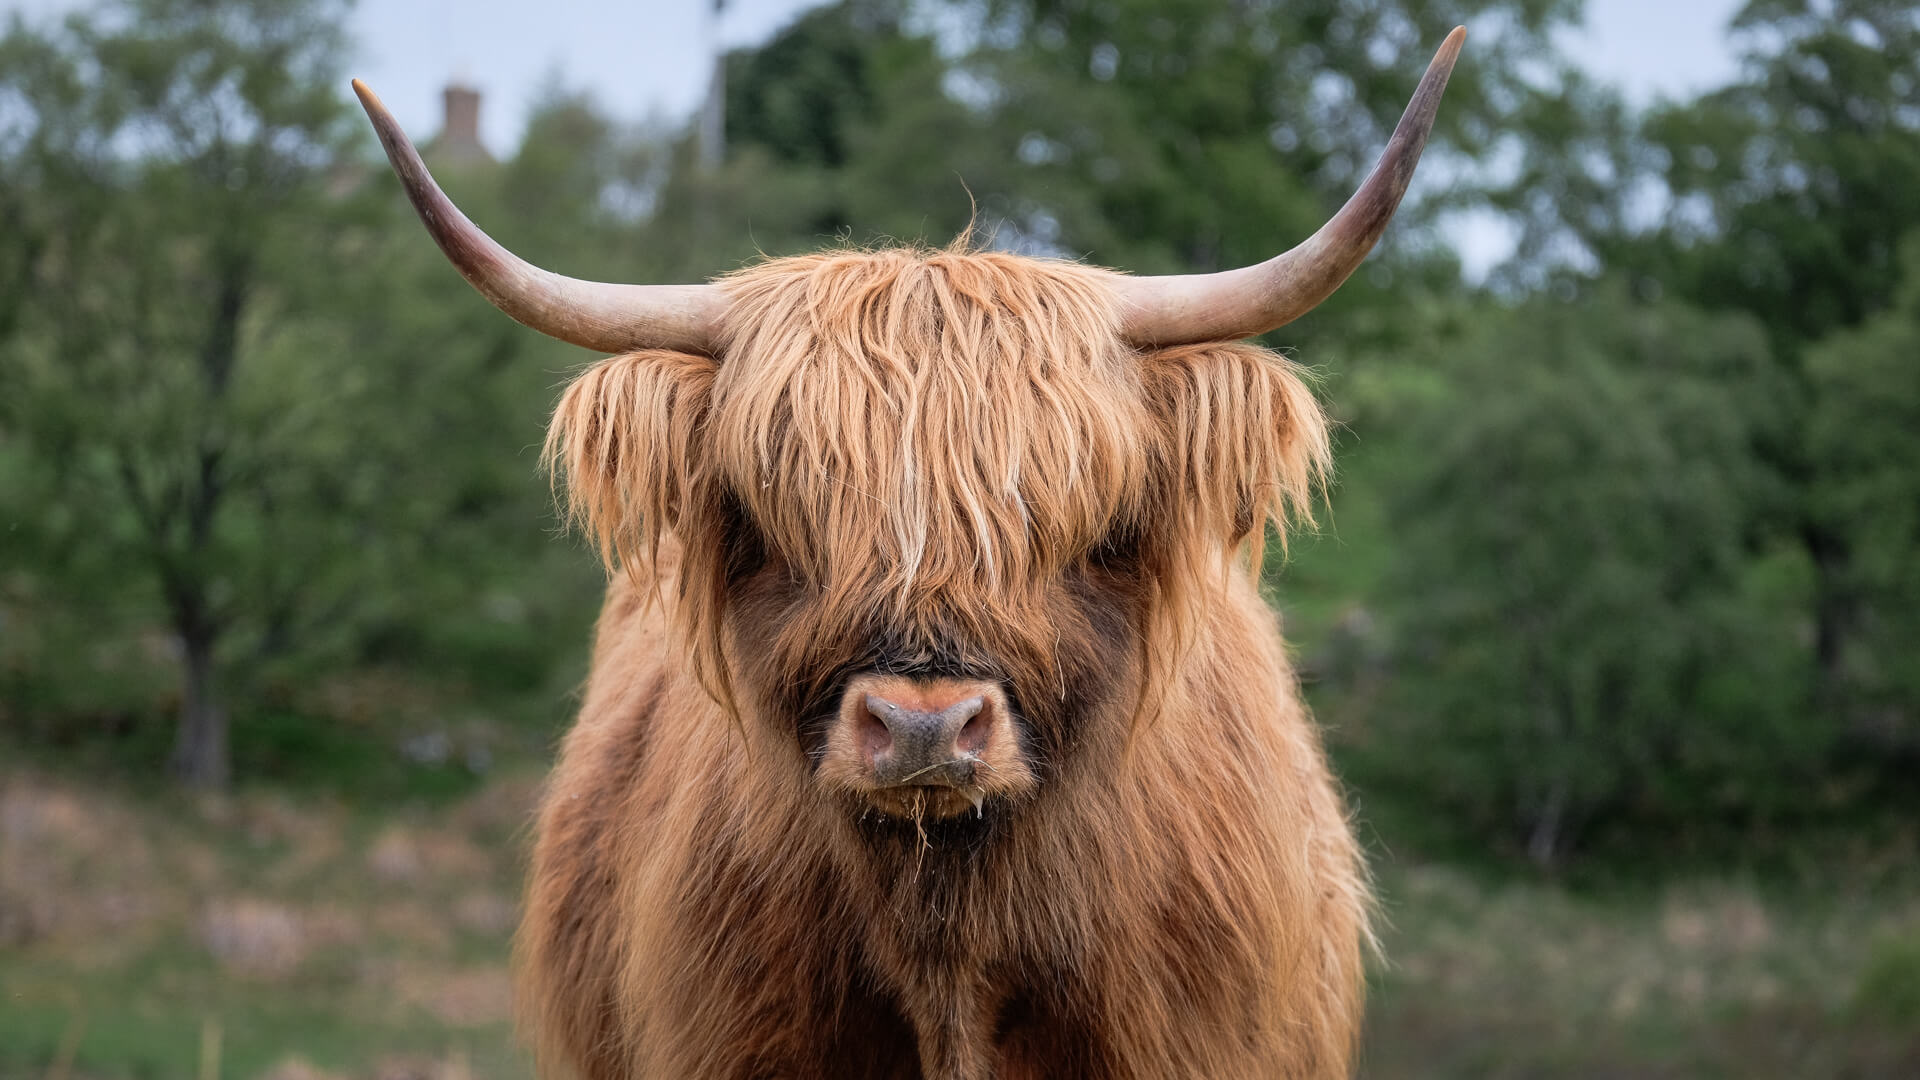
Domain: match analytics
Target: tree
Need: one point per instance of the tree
(1793, 185)
(1781, 196)
(839, 130)
(1153, 137)
(1202, 135)
(204, 379)
(1863, 442)
(1581, 626)
(1791, 188)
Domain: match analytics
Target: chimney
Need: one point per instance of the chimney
(459, 138)
(463, 113)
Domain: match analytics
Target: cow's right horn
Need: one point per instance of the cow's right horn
(1185, 309)
(597, 315)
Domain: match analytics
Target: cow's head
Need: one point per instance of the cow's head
(940, 518)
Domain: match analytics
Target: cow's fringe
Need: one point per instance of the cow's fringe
(928, 436)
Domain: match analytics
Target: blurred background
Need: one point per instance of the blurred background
(1612, 617)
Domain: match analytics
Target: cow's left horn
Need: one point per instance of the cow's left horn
(606, 317)
(1188, 308)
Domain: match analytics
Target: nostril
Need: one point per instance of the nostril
(874, 736)
(972, 737)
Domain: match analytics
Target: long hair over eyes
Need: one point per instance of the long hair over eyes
(931, 439)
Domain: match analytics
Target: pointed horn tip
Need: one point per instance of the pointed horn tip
(1189, 311)
(368, 99)
(1449, 50)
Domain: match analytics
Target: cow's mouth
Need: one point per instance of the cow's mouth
(929, 802)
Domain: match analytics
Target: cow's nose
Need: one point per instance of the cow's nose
(926, 742)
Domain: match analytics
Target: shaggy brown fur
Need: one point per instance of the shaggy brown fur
(927, 463)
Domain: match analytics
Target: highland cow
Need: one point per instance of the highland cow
(936, 727)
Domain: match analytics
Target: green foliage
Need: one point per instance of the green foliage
(1794, 184)
(803, 95)
(1632, 599)
(1792, 189)
(1585, 620)
(838, 131)
(243, 444)
(1863, 439)
(1139, 135)
(1200, 135)
(175, 157)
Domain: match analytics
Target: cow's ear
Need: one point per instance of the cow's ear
(1242, 440)
(625, 439)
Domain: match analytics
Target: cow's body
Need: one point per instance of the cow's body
(937, 466)
(1195, 914)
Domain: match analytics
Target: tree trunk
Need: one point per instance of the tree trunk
(1835, 613)
(200, 757)
(1543, 840)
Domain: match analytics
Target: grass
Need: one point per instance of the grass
(329, 938)
(1705, 977)
(313, 934)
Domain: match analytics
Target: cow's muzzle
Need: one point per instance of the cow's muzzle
(925, 742)
(925, 747)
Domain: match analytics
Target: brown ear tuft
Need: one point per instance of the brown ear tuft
(1245, 442)
(625, 437)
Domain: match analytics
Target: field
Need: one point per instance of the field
(312, 937)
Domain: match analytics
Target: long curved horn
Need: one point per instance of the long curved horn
(601, 316)
(1188, 308)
